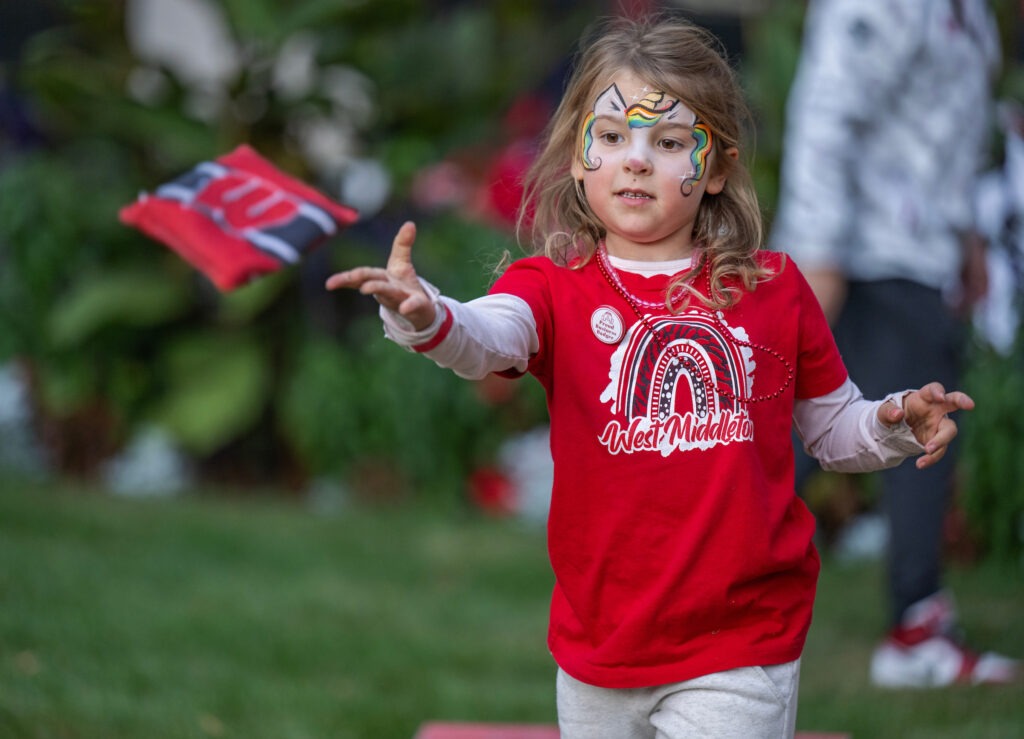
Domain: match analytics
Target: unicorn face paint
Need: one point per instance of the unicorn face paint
(643, 161)
(647, 113)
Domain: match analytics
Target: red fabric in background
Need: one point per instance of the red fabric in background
(238, 217)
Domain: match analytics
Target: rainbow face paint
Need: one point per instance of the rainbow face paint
(587, 140)
(698, 157)
(643, 163)
(649, 111)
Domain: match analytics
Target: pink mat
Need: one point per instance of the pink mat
(437, 730)
(486, 731)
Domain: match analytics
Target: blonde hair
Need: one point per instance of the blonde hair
(687, 62)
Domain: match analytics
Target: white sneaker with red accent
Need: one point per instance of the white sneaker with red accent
(923, 652)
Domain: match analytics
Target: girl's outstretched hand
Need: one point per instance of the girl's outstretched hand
(925, 411)
(396, 286)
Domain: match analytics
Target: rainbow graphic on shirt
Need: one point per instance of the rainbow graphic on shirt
(666, 393)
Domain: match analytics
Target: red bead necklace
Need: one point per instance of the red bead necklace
(613, 279)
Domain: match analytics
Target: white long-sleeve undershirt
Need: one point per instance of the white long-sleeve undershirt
(497, 332)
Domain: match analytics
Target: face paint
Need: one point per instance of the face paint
(642, 163)
(647, 113)
(609, 102)
(588, 140)
(649, 110)
(644, 114)
(699, 157)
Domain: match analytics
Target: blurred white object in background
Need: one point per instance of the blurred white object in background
(192, 41)
(189, 38)
(151, 465)
(20, 450)
(999, 204)
(525, 459)
(863, 539)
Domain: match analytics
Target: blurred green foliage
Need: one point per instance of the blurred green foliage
(993, 495)
(117, 331)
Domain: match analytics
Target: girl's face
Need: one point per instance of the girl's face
(645, 161)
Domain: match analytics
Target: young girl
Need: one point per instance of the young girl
(675, 356)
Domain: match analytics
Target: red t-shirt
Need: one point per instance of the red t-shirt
(678, 544)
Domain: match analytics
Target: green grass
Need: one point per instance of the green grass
(207, 617)
(849, 617)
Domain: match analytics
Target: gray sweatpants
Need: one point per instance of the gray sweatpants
(746, 703)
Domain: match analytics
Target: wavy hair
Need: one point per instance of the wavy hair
(689, 63)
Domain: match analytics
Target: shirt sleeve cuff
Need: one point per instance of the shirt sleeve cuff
(400, 330)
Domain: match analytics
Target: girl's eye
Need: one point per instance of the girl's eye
(611, 137)
(670, 144)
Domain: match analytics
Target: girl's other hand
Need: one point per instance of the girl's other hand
(925, 411)
(396, 286)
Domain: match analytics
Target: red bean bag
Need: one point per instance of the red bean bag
(237, 217)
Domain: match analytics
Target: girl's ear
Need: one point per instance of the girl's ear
(716, 182)
(577, 169)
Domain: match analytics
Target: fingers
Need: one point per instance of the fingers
(956, 400)
(415, 303)
(927, 414)
(380, 280)
(931, 401)
(355, 278)
(367, 280)
(959, 401)
(396, 286)
(935, 448)
(944, 434)
(375, 281)
(890, 413)
(400, 261)
(927, 460)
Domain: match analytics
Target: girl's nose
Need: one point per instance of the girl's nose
(637, 162)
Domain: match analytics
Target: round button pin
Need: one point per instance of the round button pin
(606, 323)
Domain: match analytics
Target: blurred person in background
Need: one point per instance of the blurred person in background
(888, 124)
